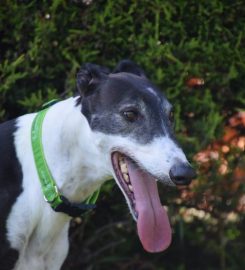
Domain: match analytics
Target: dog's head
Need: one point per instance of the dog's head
(133, 120)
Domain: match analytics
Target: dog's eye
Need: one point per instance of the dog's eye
(130, 116)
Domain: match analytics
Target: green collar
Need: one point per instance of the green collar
(50, 191)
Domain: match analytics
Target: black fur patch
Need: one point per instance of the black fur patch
(124, 91)
(10, 189)
(129, 67)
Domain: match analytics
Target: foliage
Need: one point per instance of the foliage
(43, 44)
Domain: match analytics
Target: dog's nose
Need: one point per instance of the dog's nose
(182, 173)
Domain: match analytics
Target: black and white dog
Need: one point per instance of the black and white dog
(119, 125)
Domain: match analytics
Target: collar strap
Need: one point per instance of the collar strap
(58, 202)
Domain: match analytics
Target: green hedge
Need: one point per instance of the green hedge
(42, 45)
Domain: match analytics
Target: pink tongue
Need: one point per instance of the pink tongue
(153, 225)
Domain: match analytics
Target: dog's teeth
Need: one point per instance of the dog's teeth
(122, 162)
(130, 187)
(123, 167)
(126, 177)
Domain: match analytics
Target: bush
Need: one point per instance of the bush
(43, 44)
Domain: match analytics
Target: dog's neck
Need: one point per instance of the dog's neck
(73, 151)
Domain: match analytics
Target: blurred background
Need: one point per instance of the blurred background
(195, 52)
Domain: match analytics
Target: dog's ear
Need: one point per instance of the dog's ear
(129, 67)
(89, 77)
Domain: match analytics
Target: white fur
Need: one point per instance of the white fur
(153, 92)
(156, 157)
(80, 161)
(76, 164)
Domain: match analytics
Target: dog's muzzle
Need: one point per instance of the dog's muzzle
(182, 173)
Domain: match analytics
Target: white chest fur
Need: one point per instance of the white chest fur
(73, 155)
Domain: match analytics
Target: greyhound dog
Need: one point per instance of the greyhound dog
(119, 125)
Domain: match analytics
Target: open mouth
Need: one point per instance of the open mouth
(140, 189)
